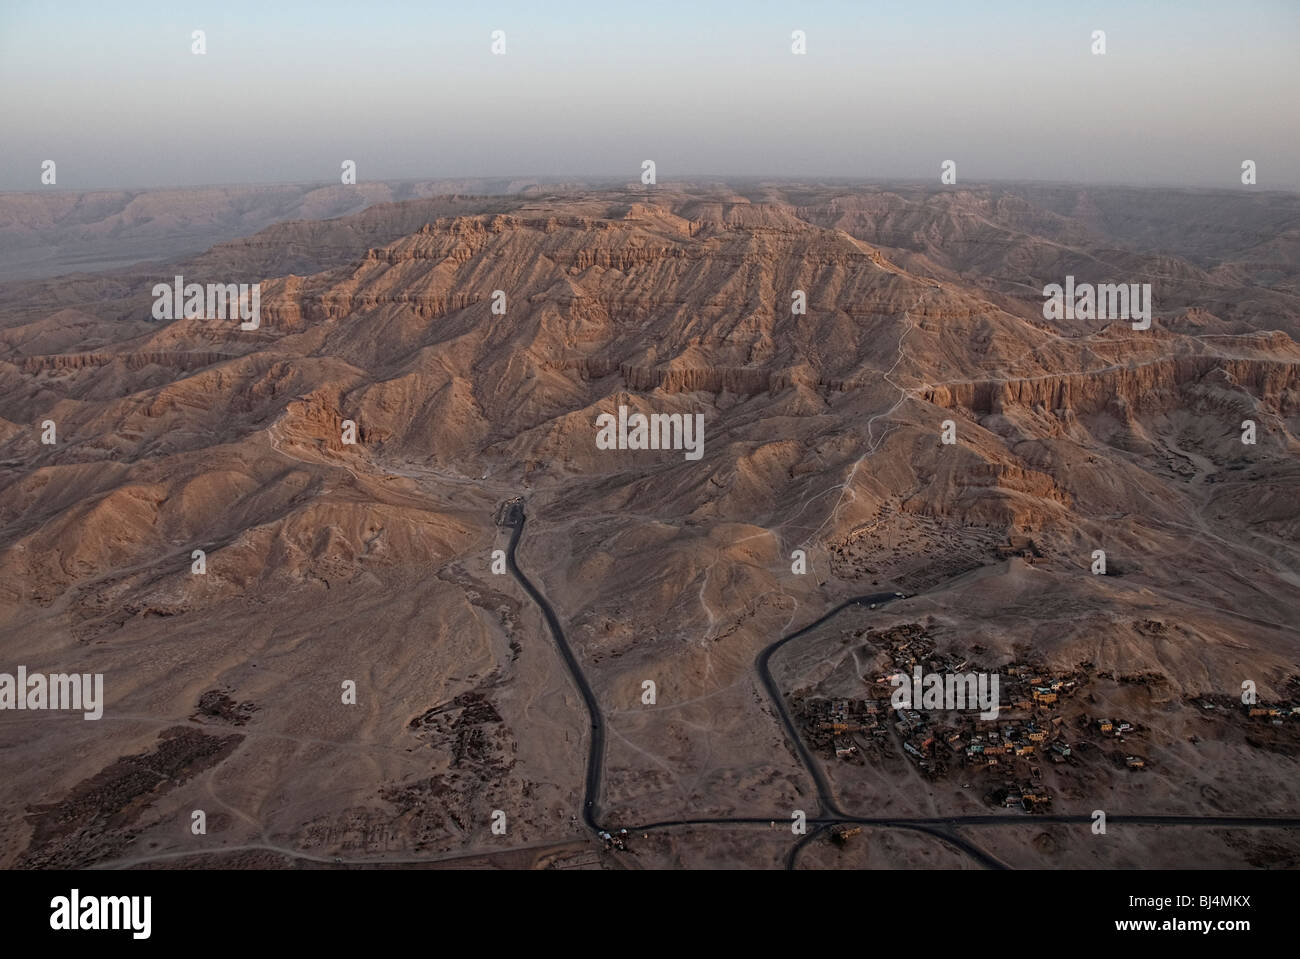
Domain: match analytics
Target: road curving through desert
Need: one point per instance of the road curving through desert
(596, 749)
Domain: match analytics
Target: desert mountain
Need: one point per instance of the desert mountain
(475, 342)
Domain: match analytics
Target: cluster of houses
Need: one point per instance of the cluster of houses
(1029, 731)
(1119, 729)
(830, 724)
(844, 728)
(1277, 715)
(1011, 740)
(1028, 688)
(1027, 796)
(614, 840)
(1030, 725)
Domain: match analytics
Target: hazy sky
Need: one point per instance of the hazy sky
(1009, 90)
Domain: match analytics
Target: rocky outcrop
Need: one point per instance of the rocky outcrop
(180, 361)
(1151, 387)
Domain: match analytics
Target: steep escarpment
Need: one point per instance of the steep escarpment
(1154, 386)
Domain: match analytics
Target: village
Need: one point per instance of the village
(1004, 754)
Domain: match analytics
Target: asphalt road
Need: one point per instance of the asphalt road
(825, 796)
(596, 752)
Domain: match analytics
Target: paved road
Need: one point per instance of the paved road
(825, 795)
(991, 819)
(596, 752)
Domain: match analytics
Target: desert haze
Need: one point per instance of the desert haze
(395, 482)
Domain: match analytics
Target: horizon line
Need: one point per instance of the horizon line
(683, 179)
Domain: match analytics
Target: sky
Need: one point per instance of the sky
(285, 92)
